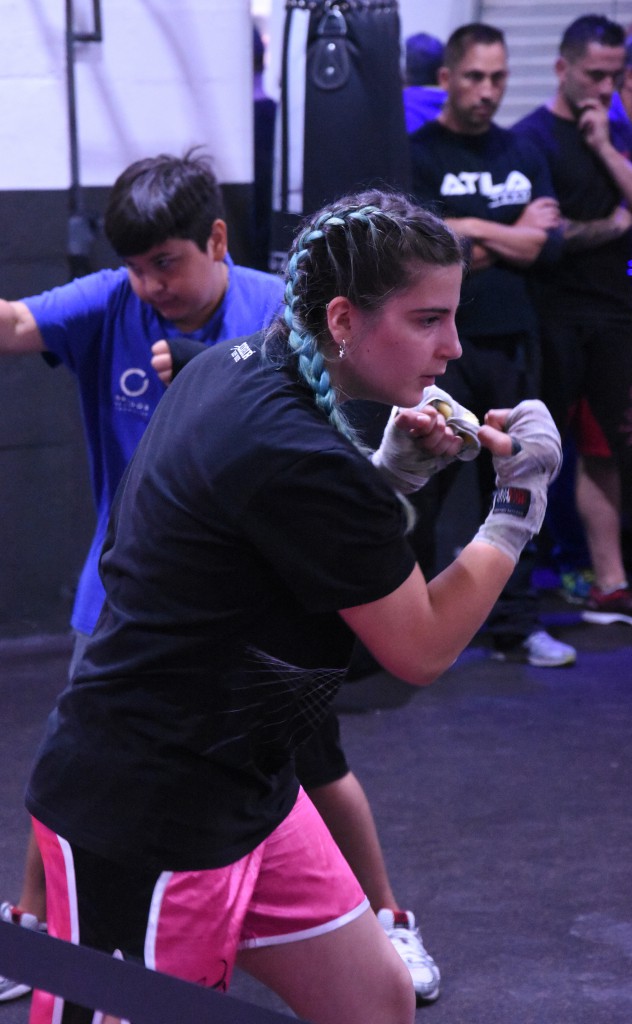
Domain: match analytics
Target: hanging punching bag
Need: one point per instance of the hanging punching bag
(340, 122)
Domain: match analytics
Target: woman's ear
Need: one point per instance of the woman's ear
(339, 317)
(217, 246)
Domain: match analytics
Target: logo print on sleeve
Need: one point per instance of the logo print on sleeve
(243, 351)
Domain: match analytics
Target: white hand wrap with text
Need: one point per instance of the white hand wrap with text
(522, 479)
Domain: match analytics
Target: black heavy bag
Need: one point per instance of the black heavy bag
(340, 123)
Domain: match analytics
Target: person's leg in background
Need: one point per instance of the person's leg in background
(598, 499)
(605, 447)
(339, 798)
(587, 385)
(564, 562)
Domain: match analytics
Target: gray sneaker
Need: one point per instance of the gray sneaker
(400, 927)
(541, 650)
(14, 989)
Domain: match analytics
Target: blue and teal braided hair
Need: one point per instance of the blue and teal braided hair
(366, 247)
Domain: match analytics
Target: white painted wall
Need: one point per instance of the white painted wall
(168, 74)
(439, 19)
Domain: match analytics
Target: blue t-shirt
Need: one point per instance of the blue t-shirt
(422, 103)
(103, 333)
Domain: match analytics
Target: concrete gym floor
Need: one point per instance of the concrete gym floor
(502, 794)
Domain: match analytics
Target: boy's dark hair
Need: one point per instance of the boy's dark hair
(163, 197)
(424, 57)
(469, 35)
(590, 28)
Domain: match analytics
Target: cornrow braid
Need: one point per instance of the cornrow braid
(311, 362)
(366, 247)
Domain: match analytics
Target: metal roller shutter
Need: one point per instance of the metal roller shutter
(533, 32)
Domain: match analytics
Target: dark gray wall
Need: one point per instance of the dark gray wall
(45, 499)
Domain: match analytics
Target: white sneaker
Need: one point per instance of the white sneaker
(541, 650)
(14, 989)
(400, 927)
(544, 651)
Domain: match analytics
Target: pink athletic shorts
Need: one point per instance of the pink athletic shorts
(294, 885)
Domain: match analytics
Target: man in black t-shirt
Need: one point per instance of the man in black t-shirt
(495, 191)
(586, 300)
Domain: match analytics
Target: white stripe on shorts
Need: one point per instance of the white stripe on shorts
(307, 933)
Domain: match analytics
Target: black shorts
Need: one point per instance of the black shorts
(321, 759)
(590, 360)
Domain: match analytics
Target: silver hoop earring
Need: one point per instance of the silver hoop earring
(342, 349)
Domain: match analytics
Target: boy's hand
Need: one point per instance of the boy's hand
(162, 361)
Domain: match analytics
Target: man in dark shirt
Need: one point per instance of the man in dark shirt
(586, 299)
(494, 190)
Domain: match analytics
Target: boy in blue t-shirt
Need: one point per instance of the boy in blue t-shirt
(165, 220)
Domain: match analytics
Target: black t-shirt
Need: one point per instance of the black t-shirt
(243, 523)
(595, 282)
(492, 176)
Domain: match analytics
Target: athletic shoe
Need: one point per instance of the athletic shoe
(575, 585)
(14, 989)
(400, 927)
(606, 608)
(541, 650)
